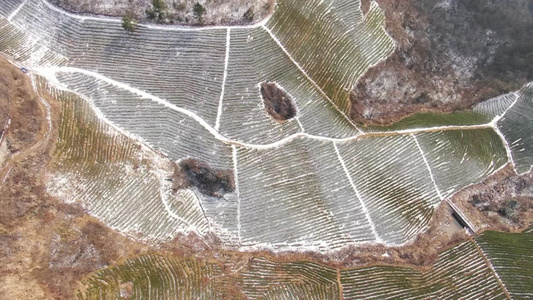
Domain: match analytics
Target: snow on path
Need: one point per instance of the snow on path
(236, 178)
(494, 125)
(428, 167)
(15, 12)
(363, 206)
(50, 74)
(226, 61)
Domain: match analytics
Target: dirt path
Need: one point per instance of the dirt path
(42, 138)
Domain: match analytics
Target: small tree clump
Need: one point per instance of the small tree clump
(158, 11)
(129, 22)
(249, 15)
(159, 5)
(199, 11)
(179, 6)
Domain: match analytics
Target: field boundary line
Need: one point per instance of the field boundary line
(170, 212)
(236, 178)
(428, 167)
(489, 264)
(224, 77)
(363, 206)
(50, 71)
(494, 126)
(307, 76)
(16, 11)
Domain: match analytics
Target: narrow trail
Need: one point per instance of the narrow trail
(225, 76)
(358, 195)
(51, 72)
(428, 167)
(41, 142)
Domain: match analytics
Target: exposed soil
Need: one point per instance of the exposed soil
(278, 104)
(449, 55)
(210, 182)
(217, 12)
(442, 234)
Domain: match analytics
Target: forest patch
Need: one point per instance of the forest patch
(278, 104)
(192, 172)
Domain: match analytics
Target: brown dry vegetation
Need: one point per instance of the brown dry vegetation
(19, 105)
(449, 55)
(47, 246)
(502, 202)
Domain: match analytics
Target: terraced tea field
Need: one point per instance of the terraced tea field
(158, 277)
(460, 272)
(112, 176)
(511, 258)
(314, 182)
(167, 131)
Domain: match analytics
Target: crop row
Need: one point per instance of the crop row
(187, 67)
(510, 255)
(299, 191)
(254, 57)
(16, 43)
(517, 128)
(158, 277)
(184, 67)
(336, 50)
(460, 272)
(105, 172)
